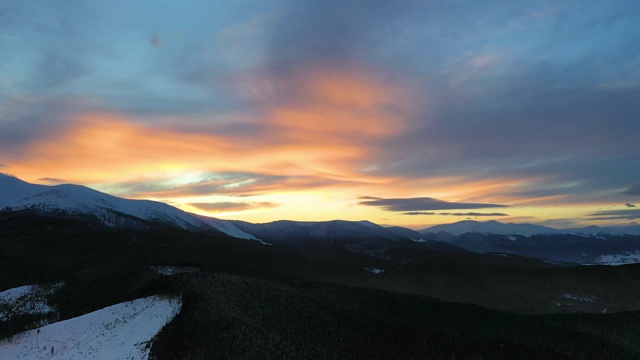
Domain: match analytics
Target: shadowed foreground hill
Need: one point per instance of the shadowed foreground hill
(235, 317)
(251, 301)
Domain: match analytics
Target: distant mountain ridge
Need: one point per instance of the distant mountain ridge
(495, 227)
(492, 227)
(357, 236)
(589, 245)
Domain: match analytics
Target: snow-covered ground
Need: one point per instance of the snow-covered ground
(171, 270)
(629, 257)
(10, 296)
(229, 228)
(28, 299)
(375, 271)
(583, 298)
(120, 331)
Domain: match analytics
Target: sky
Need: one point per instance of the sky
(410, 113)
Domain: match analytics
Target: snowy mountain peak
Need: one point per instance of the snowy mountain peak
(16, 194)
(13, 189)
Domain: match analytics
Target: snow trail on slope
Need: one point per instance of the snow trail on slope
(116, 332)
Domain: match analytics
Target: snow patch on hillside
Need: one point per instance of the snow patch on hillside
(583, 298)
(28, 299)
(171, 270)
(629, 257)
(375, 271)
(120, 331)
(12, 295)
(230, 229)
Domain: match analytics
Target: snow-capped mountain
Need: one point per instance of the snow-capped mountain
(112, 211)
(590, 245)
(491, 227)
(559, 247)
(495, 227)
(573, 245)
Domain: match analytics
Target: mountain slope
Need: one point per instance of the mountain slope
(407, 233)
(112, 211)
(290, 232)
(492, 227)
(119, 331)
(328, 237)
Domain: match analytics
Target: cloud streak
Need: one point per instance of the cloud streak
(421, 204)
(455, 214)
(221, 207)
(614, 215)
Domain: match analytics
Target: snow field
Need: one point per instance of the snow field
(629, 257)
(121, 331)
(28, 299)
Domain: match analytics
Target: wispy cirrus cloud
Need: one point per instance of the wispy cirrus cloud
(239, 184)
(614, 215)
(51, 180)
(474, 214)
(220, 207)
(421, 204)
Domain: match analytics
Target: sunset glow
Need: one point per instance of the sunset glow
(267, 112)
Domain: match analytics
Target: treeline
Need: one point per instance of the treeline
(238, 317)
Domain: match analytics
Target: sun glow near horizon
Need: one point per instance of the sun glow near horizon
(421, 115)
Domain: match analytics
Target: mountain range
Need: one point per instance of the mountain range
(495, 227)
(384, 292)
(589, 245)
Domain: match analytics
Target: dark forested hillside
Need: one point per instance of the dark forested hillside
(248, 300)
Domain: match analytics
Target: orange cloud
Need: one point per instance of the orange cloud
(222, 207)
(315, 138)
(334, 103)
(321, 137)
(98, 147)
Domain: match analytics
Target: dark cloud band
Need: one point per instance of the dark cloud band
(421, 204)
(615, 215)
(232, 206)
(475, 214)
